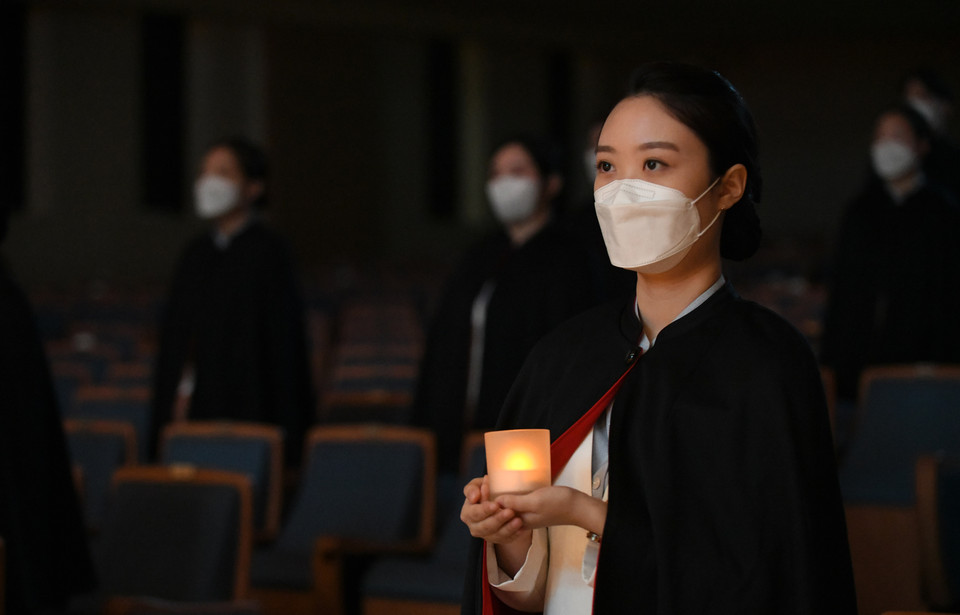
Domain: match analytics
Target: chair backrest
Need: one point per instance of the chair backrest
(97, 448)
(177, 533)
(905, 411)
(152, 606)
(371, 383)
(938, 516)
(114, 403)
(369, 483)
(129, 373)
(253, 449)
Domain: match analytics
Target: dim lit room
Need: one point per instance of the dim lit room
(317, 307)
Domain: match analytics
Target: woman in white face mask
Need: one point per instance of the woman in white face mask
(228, 190)
(516, 283)
(895, 292)
(520, 190)
(689, 431)
(232, 341)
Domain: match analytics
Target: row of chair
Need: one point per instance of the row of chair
(366, 491)
(904, 413)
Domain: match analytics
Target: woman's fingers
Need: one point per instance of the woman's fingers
(489, 521)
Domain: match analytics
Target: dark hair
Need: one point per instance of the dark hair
(932, 81)
(711, 107)
(546, 154)
(252, 159)
(918, 124)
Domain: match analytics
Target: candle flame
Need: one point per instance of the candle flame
(519, 459)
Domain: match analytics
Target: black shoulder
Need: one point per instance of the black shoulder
(770, 336)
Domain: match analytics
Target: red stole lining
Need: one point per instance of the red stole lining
(561, 450)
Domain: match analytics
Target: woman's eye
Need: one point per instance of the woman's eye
(652, 165)
(604, 167)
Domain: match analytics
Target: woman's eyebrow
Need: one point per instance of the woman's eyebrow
(658, 145)
(643, 146)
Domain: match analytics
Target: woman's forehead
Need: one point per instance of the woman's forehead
(641, 120)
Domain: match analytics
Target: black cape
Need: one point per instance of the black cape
(537, 286)
(723, 486)
(942, 165)
(895, 292)
(238, 316)
(40, 519)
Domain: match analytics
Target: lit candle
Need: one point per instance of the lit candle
(518, 460)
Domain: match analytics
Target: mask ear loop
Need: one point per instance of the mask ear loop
(719, 211)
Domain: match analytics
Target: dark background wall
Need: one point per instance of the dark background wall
(379, 115)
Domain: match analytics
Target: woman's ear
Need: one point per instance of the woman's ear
(732, 186)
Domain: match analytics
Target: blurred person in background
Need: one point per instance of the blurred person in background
(41, 524)
(581, 220)
(929, 94)
(514, 285)
(233, 341)
(895, 292)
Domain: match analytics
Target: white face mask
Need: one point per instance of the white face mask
(513, 198)
(215, 196)
(647, 227)
(892, 159)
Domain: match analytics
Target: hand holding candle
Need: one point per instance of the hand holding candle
(518, 460)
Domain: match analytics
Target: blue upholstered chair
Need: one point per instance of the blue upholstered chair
(177, 534)
(401, 585)
(365, 489)
(905, 411)
(113, 403)
(938, 514)
(253, 449)
(98, 448)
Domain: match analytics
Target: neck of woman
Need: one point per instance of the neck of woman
(231, 222)
(901, 187)
(661, 297)
(521, 232)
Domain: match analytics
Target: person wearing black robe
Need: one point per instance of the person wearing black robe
(233, 326)
(929, 94)
(581, 220)
(895, 291)
(722, 492)
(530, 286)
(41, 524)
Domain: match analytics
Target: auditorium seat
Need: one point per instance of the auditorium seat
(365, 489)
(253, 449)
(116, 403)
(433, 584)
(905, 411)
(98, 448)
(176, 533)
(938, 515)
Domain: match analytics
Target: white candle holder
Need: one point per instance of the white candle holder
(518, 460)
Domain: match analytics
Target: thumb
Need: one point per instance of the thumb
(513, 502)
